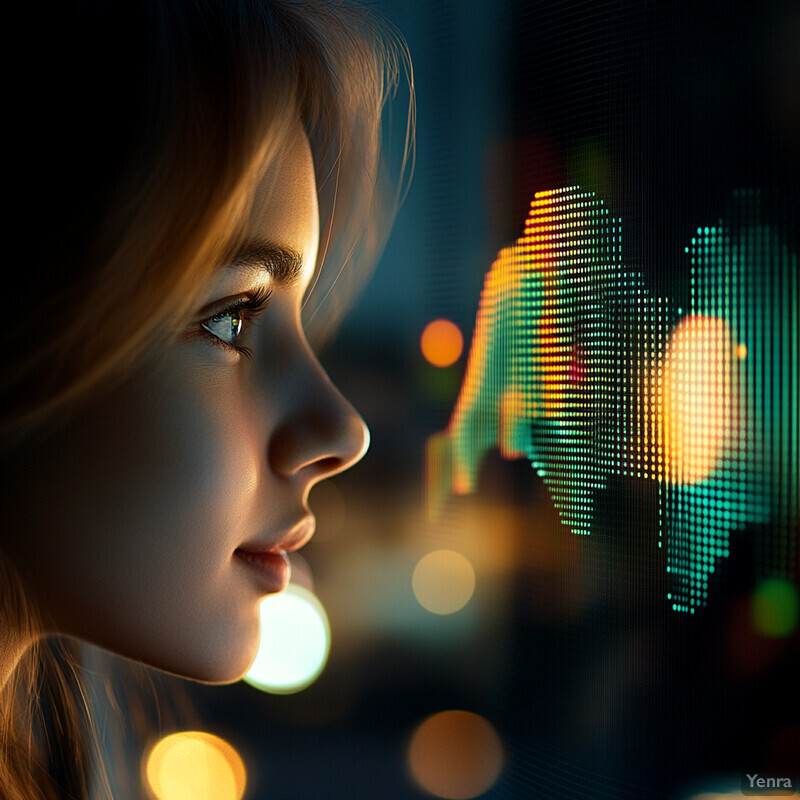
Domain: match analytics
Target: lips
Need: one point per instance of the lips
(272, 571)
(268, 560)
(297, 536)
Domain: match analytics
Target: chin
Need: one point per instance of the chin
(221, 662)
(225, 671)
(227, 668)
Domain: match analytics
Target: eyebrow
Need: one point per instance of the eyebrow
(282, 264)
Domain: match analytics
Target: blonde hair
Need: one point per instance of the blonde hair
(210, 104)
(136, 164)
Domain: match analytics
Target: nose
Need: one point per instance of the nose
(320, 433)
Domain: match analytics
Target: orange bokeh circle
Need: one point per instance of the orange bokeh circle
(441, 343)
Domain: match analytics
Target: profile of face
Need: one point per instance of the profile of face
(129, 518)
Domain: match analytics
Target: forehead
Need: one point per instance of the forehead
(285, 209)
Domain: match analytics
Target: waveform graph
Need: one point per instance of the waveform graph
(537, 374)
(697, 429)
(568, 261)
(576, 365)
(730, 427)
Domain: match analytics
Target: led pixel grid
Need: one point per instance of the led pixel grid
(577, 366)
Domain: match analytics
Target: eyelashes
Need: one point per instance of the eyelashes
(227, 326)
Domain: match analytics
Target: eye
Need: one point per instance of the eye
(228, 325)
(225, 326)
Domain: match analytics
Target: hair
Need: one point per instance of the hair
(135, 154)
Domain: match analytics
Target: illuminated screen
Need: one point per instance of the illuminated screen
(576, 366)
(623, 422)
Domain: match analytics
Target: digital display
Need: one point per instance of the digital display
(577, 366)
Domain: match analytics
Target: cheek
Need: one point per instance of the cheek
(133, 514)
(198, 467)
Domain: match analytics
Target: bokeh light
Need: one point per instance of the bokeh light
(455, 754)
(774, 608)
(698, 399)
(193, 765)
(443, 581)
(441, 343)
(295, 642)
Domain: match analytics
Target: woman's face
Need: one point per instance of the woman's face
(129, 519)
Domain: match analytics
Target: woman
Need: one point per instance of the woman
(164, 417)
